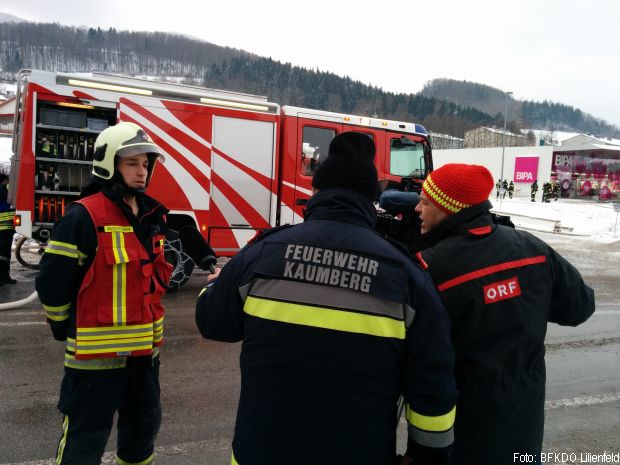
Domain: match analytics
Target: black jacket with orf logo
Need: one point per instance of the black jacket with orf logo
(500, 287)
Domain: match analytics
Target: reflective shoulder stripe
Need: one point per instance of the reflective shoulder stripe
(59, 313)
(62, 248)
(327, 318)
(490, 270)
(325, 296)
(431, 423)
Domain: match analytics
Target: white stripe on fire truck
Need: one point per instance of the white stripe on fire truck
(198, 197)
(168, 117)
(233, 216)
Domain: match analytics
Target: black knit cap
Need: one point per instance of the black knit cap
(349, 164)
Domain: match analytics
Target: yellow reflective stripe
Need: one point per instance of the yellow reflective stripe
(427, 423)
(59, 313)
(82, 257)
(119, 286)
(113, 328)
(98, 342)
(233, 461)
(148, 461)
(327, 318)
(204, 289)
(95, 363)
(107, 336)
(121, 229)
(62, 248)
(63, 440)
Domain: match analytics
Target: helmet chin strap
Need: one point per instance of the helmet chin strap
(119, 184)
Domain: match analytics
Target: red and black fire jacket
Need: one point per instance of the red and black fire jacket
(101, 280)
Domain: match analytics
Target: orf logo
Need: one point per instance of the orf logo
(501, 290)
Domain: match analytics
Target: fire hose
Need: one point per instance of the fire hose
(18, 303)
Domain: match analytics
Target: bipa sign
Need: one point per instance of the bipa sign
(501, 290)
(526, 169)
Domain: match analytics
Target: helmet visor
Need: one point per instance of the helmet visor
(136, 149)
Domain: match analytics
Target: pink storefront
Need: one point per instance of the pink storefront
(589, 173)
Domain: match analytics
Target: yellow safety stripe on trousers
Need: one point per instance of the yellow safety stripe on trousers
(233, 461)
(320, 317)
(147, 461)
(63, 440)
(62, 248)
(119, 279)
(428, 423)
(59, 313)
(441, 197)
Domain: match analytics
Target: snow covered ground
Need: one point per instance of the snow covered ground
(593, 220)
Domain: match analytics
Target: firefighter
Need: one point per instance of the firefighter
(500, 287)
(555, 190)
(336, 322)
(504, 189)
(546, 192)
(511, 189)
(7, 229)
(533, 190)
(101, 281)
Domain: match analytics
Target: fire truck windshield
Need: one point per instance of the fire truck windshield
(407, 158)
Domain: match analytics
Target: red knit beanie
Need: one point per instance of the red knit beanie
(456, 186)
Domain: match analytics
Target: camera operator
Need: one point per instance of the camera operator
(336, 323)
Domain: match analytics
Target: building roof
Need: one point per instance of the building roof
(590, 139)
(7, 108)
(497, 131)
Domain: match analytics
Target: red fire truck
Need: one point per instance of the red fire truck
(235, 163)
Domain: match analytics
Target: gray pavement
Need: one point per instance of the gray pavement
(200, 379)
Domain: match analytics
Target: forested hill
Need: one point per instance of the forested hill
(54, 47)
(543, 115)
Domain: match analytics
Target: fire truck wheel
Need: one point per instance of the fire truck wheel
(28, 252)
(182, 264)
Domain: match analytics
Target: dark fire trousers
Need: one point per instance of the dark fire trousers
(89, 401)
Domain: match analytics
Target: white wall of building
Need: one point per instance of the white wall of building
(491, 158)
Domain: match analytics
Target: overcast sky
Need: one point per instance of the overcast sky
(567, 51)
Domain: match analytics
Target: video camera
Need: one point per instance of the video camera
(397, 218)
